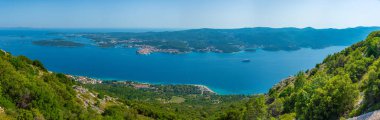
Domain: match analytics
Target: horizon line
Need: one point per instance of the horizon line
(190, 28)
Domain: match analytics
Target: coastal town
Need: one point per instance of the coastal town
(146, 50)
(88, 80)
(84, 80)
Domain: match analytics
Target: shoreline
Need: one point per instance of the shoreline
(204, 87)
(176, 52)
(90, 80)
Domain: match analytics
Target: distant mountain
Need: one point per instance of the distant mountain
(232, 40)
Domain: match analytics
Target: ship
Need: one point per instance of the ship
(246, 60)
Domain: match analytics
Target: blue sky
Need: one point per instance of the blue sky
(189, 13)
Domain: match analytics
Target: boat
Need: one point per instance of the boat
(246, 60)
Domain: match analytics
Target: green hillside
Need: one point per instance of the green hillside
(171, 101)
(344, 85)
(29, 92)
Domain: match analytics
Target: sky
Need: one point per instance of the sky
(189, 13)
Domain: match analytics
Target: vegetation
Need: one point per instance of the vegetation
(28, 91)
(171, 101)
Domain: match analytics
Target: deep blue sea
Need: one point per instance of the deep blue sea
(222, 72)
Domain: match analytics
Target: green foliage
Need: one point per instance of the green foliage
(289, 116)
(256, 108)
(28, 91)
(32, 92)
(157, 103)
(373, 45)
(300, 81)
(119, 113)
(39, 65)
(232, 115)
(277, 107)
(371, 86)
(334, 99)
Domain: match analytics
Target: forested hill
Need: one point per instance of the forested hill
(344, 85)
(29, 92)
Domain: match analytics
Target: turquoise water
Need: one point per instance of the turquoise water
(223, 73)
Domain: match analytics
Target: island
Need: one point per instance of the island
(57, 43)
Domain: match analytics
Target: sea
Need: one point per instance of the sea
(224, 73)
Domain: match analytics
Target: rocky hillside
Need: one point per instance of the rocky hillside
(375, 115)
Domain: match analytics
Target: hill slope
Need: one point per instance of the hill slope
(345, 84)
(28, 91)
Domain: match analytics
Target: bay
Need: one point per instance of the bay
(222, 72)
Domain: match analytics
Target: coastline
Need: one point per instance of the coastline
(204, 87)
(90, 80)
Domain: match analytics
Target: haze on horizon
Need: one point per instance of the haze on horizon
(188, 13)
